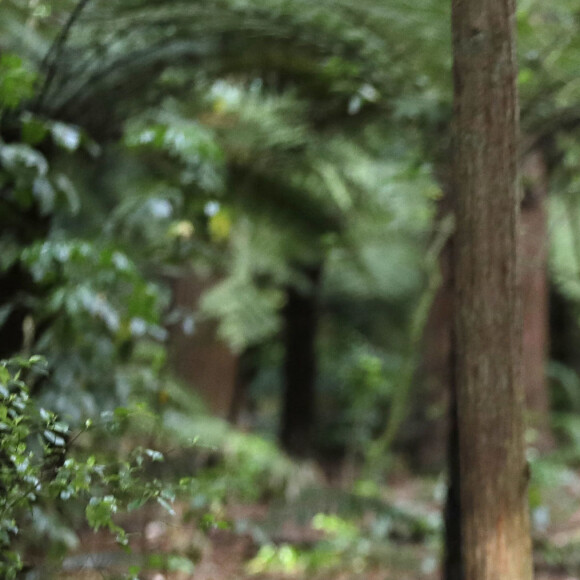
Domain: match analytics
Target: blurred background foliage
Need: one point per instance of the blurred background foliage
(276, 151)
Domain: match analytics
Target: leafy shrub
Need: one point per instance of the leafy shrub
(38, 468)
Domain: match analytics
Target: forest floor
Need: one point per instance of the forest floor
(176, 548)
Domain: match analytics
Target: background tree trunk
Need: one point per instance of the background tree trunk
(534, 260)
(436, 370)
(490, 397)
(298, 405)
(200, 359)
(247, 369)
(435, 373)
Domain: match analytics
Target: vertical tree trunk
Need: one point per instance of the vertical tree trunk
(246, 371)
(436, 373)
(298, 405)
(436, 369)
(534, 258)
(200, 359)
(490, 398)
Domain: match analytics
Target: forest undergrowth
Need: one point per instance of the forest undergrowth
(320, 534)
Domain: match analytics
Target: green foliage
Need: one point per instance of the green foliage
(564, 265)
(27, 176)
(38, 468)
(187, 142)
(283, 559)
(564, 222)
(97, 309)
(88, 306)
(347, 542)
(17, 81)
(257, 138)
(248, 313)
(247, 467)
(355, 412)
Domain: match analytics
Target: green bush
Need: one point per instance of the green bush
(39, 469)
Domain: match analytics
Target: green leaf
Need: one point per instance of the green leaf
(4, 376)
(100, 511)
(20, 158)
(177, 563)
(66, 136)
(166, 505)
(60, 427)
(136, 504)
(45, 415)
(66, 187)
(17, 82)
(54, 439)
(121, 412)
(154, 455)
(33, 130)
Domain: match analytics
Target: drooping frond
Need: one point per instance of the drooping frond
(343, 54)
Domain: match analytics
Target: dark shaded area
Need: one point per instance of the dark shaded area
(17, 288)
(453, 564)
(300, 324)
(564, 329)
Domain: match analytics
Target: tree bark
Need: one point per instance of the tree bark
(298, 406)
(435, 374)
(436, 369)
(247, 368)
(487, 321)
(534, 260)
(200, 359)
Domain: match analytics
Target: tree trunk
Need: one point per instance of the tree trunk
(495, 539)
(439, 351)
(534, 260)
(246, 372)
(298, 406)
(436, 369)
(199, 358)
(436, 374)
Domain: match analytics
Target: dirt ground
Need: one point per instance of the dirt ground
(173, 548)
